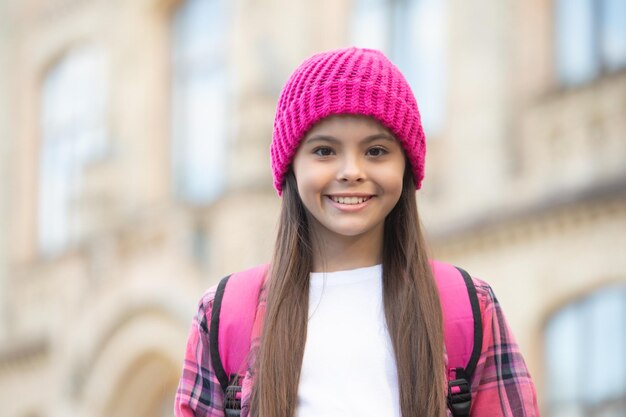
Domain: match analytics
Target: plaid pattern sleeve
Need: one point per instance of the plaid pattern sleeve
(501, 386)
(199, 392)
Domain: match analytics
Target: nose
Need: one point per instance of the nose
(351, 169)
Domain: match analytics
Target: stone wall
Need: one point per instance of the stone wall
(525, 187)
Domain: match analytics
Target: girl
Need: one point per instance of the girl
(351, 315)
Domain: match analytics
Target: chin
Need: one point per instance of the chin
(351, 230)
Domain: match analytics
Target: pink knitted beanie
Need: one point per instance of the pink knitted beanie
(346, 81)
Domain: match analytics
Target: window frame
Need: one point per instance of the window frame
(599, 65)
(399, 50)
(580, 314)
(195, 67)
(74, 134)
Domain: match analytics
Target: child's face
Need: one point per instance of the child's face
(349, 171)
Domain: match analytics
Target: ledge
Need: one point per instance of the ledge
(23, 353)
(494, 220)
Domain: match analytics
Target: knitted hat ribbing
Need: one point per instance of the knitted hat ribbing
(346, 81)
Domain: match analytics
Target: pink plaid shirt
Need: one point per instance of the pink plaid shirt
(501, 385)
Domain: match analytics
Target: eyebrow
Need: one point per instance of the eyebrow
(367, 139)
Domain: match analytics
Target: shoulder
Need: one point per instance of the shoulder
(205, 306)
(447, 275)
(246, 276)
(208, 297)
(456, 288)
(487, 301)
(244, 284)
(484, 292)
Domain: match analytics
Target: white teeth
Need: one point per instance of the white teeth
(349, 200)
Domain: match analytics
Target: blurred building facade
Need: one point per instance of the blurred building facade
(135, 173)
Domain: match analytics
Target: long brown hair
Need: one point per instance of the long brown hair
(411, 304)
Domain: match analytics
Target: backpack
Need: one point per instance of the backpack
(234, 310)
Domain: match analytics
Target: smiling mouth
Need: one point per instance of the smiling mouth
(349, 200)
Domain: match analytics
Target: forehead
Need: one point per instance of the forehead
(347, 125)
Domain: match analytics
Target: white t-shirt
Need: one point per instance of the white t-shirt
(348, 368)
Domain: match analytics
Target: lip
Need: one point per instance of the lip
(349, 207)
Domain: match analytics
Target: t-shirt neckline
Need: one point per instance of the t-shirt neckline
(346, 276)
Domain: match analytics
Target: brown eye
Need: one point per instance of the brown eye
(323, 151)
(377, 151)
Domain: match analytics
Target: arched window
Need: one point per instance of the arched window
(74, 134)
(590, 38)
(201, 102)
(586, 356)
(413, 33)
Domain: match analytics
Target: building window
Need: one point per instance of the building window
(586, 356)
(413, 33)
(74, 135)
(200, 99)
(371, 24)
(590, 39)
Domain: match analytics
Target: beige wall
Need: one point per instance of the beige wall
(5, 147)
(525, 188)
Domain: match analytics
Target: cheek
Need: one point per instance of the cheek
(393, 179)
(308, 185)
(396, 192)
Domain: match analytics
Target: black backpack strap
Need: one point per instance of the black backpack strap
(214, 351)
(459, 389)
(478, 323)
(231, 385)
